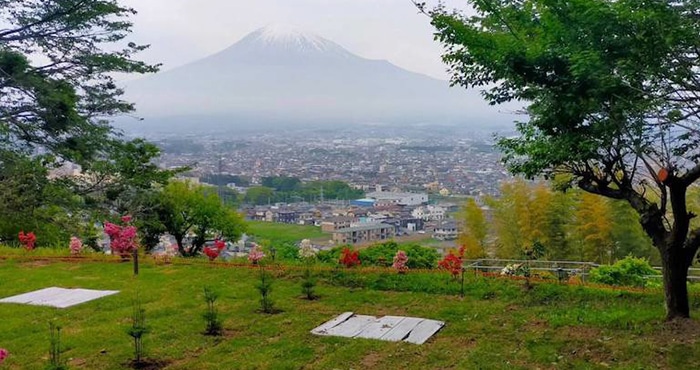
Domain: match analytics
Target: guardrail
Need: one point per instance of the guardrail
(577, 268)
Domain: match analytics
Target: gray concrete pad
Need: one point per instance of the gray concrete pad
(390, 328)
(58, 297)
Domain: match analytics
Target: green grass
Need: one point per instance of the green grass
(497, 325)
(284, 233)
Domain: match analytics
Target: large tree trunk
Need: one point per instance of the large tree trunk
(180, 247)
(675, 275)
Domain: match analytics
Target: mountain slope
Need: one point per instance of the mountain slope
(278, 74)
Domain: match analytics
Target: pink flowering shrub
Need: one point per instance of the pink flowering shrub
(213, 252)
(255, 254)
(400, 260)
(28, 240)
(122, 238)
(3, 354)
(76, 246)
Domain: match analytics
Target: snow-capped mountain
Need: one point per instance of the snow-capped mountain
(279, 74)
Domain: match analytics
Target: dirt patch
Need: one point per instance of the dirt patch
(147, 364)
(370, 361)
(536, 325)
(583, 333)
(681, 331)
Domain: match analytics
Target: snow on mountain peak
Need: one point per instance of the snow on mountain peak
(292, 37)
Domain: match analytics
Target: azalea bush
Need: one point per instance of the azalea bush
(382, 254)
(75, 246)
(122, 238)
(349, 258)
(400, 261)
(214, 251)
(452, 262)
(3, 354)
(28, 240)
(256, 254)
(306, 250)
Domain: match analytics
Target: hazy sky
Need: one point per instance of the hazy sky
(181, 31)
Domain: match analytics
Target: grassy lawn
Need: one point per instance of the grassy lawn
(282, 233)
(498, 325)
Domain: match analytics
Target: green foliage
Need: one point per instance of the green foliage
(571, 225)
(383, 254)
(183, 207)
(290, 189)
(211, 315)
(629, 271)
(224, 179)
(68, 84)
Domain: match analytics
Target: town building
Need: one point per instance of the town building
(337, 223)
(363, 234)
(429, 213)
(384, 198)
(446, 230)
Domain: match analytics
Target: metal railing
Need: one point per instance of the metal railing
(571, 268)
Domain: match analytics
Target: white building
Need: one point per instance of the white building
(429, 213)
(404, 199)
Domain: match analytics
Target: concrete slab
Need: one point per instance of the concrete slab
(423, 331)
(58, 297)
(390, 328)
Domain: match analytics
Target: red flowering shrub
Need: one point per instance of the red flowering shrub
(350, 258)
(122, 238)
(28, 240)
(213, 252)
(453, 262)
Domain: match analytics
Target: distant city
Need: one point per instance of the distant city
(398, 159)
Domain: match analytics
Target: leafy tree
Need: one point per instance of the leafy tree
(186, 208)
(610, 87)
(57, 99)
(475, 231)
(58, 60)
(259, 195)
(594, 228)
(282, 183)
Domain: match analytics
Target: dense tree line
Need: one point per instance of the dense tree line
(571, 225)
(291, 189)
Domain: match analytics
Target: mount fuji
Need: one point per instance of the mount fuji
(279, 75)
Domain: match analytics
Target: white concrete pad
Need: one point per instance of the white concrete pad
(423, 331)
(58, 297)
(352, 326)
(323, 329)
(390, 328)
(382, 325)
(402, 329)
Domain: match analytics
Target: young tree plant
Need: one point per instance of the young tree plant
(137, 330)
(265, 287)
(211, 315)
